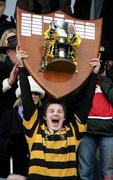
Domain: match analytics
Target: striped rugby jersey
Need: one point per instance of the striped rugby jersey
(53, 156)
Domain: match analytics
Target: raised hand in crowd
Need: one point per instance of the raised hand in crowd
(13, 75)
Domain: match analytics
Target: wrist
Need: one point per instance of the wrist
(9, 82)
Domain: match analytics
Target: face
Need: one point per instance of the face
(12, 55)
(2, 8)
(55, 117)
(35, 97)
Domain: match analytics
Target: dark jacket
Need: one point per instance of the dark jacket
(107, 88)
(82, 11)
(44, 6)
(101, 126)
(38, 6)
(13, 143)
(5, 24)
(8, 98)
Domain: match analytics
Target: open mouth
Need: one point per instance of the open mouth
(55, 122)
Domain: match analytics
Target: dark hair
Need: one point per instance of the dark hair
(54, 101)
(107, 53)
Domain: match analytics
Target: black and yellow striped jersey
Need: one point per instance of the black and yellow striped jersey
(53, 156)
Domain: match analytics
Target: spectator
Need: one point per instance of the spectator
(12, 136)
(95, 9)
(4, 38)
(99, 127)
(8, 75)
(53, 142)
(4, 23)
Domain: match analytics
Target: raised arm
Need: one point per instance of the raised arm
(80, 102)
(27, 101)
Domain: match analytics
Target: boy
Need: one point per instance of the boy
(53, 142)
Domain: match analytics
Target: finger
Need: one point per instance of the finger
(14, 66)
(17, 48)
(99, 56)
(94, 60)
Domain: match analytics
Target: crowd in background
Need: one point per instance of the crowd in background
(83, 143)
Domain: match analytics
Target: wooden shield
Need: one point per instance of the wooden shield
(30, 28)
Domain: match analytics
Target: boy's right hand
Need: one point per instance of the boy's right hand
(20, 55)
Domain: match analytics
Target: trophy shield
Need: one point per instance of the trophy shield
(59, 47)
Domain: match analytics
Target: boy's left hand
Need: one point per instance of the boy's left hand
(95, 62)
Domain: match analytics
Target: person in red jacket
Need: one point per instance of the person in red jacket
(99, 126)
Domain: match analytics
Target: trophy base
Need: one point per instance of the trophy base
(61, 65)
